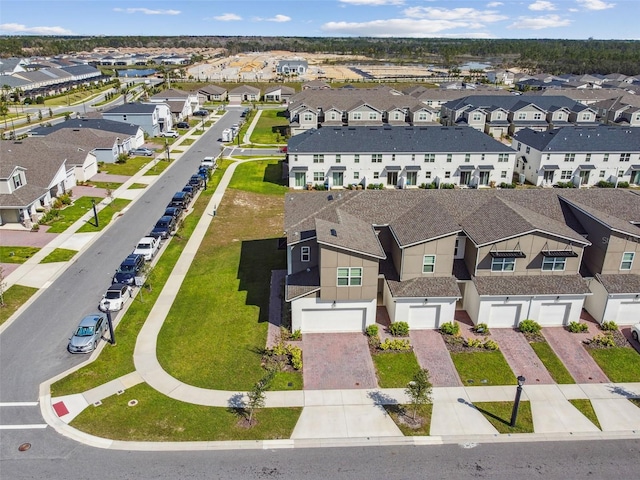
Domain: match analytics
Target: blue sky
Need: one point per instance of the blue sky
(574, 19)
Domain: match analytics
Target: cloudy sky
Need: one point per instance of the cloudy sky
(574, 19)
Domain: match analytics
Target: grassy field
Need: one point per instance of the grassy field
(552, 363)
(620, 364)
(395, 370)
(261, 176)
(271, 127)
(483, 368)
(14, 297)
(105, 216)
(132, 166)
(157, 418)
(9, 254)
(59, 255)
(499, 415)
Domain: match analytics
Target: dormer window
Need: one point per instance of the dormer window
(17, 180)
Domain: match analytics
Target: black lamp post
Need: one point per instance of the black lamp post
(95, 213)
(107, 307)
(166, 147)
(516, 403)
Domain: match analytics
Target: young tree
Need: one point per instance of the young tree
(419, 390)
(257, 396)
(3, 286)
(50, 113)
(40, 115)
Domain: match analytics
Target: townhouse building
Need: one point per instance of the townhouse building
(506, 115)
(397, 157)
(501, 255)
(582, 155)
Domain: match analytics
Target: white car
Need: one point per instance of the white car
(170, 133)
(147, 247)
(635, 332)
(115, 297)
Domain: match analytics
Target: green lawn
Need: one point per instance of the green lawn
(620, 364)
(483, 368)
(404, 412)
(157, 418)
(105, 216)
(499, 415)
(10, 254)
(14, 297)
(129, 168)
(137, 185)
(287, 381)
(72, 213)
(59, 255)
(270, 127)
(585, 407)
(106, 185)
(158, 168)
(116, 361)
(395, 370)
(552, 363)
(260, 176)
(187, 141)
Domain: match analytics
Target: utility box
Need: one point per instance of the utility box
(227, 135)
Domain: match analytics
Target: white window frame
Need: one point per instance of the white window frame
(318, 158)
(627, 259)
(352, 276)
(318, 176)
(429, 264)
(305, 254)
(502, 264)
(554, 264)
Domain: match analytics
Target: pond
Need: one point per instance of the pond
(136, 73)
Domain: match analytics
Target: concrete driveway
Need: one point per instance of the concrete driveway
(337, 361)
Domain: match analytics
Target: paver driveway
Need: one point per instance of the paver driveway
(337, 361)
(520, 356)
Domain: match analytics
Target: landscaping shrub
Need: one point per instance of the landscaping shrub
(577, 327)
(603, 340)
(399, 329)
(50, 216)
(296, 357)
(482, 328)
(472, 342)
(281, 355)
(319, 186)
(565, 185)
(529, 326)
(623, 184)
(605, 184)
(490, 345)
(447, 186)
(610, 326)
(372, 330)
(395, 345)
(450, 328)
(507, 185)
(296, 335)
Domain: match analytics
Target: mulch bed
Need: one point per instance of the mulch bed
(456, 344)
(618, 337)
(534, 337)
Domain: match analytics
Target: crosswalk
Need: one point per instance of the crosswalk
(11, 410)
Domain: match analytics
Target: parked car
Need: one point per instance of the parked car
(174, 212)
(147, 247)
(189, 190)
(164, 227)
(196, 181)
(635, 332)
(208, 162)
(183, 125)
(204, 173)
(180, 199)
(115, 297)
(141, 152)
(85, 338)
(129, 269)
(201, 113)
(170, 133)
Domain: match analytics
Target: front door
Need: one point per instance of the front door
(392, 178)
(412, 178)
(584, 177)
(465, 178)
(301, 179)
(548, 176)
(484, 178)
(338, 179)
(635, 177)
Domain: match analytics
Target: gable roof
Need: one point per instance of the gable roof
(133, 108)
(90, 123)
(582, 139)
(349, 233)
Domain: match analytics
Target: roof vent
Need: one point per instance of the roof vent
(334, 233)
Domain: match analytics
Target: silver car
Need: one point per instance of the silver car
(86, 337)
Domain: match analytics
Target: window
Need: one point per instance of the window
(467, 157)
(602, 173)
(349, 276)
(429, 157)
(519, 146)
(393, 157)
(376, 175)
(522, 116)
(627, 260)
(376, 158)
(17, 181)
(586, 116)
(548, 156)
(476, 117)
(498, 116)
(587, 157)
(356, 175)
(620, 173)
(427, 175)
(449, 157)
(528, 149)
(503, 264)
(537, 116)
(429, 264)
(560, 116)
(307, 117)
(447, 174)
(318, 158)
(553, 264)
(357, 116)
(503, 174)
(606, 157)
(503, 157)
(422, 116)
(565, 175)
(569, 157)
(305, 254)
(338, 158)
(413, 157)
(482, 157)
(356, 158)
(625, 157)
(373, 115)
(318, 176)
(412, 178)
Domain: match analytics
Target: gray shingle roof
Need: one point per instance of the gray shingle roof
(91, 123)
(583, 139)
(619, 283)
(531, 285)
(302, 283)
(513, 102)
(132, 108)
(425, 287)
(349, 233)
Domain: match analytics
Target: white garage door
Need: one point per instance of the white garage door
(503, 316)
(628, 313)
(334, 320)
(424, 317)
(553, 314)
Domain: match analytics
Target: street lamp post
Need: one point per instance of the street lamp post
(112, 337)
(516, 403)
(166, 147)
(95, 213)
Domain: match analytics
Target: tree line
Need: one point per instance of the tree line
(543, 55)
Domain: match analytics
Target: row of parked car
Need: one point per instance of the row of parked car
(91, 329)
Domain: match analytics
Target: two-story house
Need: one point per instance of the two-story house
(397, 157)
(153, 118)
(582, 155)
(181, 103)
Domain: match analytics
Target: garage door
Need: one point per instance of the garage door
(424, 317)
(553, 314)
(334, 320)
(504, 316)
(628, 313)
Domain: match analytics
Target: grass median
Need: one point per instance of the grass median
(9, 254)
(483, 368)
(14, 297)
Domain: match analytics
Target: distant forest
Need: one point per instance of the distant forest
(543, 55)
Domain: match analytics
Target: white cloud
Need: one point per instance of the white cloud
(396, 27)
(595, 4)
(373, 3)
(19, 28)
(538, 23)
(541, 5)
(279, 19)
(470, 16)
(494, 4)
(228, 17)
(148, 11)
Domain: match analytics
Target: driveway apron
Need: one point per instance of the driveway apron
(567, 346)
(432, 354)
(337, 361)
(520, 356)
